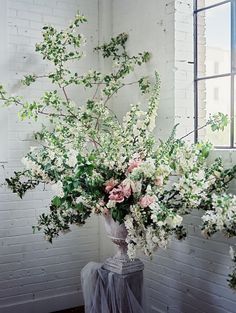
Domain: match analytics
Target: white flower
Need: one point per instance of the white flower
(152, 123)
(173, 221)
(208, 216)
(200, 175)
(165, 169)
(72, 158)
(231, 252)
(128, 222)
(131, 251)
(136, 186)
(155, 207)
(160, 223)
(111, 204)
(51, 155)
(34, 168)
(148, 167)
(140, 123)
(58, 189)
(59, 162)
(136, 131)
(155, 239)
(149, 188)
(80, 199)
(154, 218)
(196, 189)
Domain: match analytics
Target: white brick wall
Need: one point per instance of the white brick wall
(188, 277)
(3, 75)
(184, 109)
(35, 276)
(150, 28)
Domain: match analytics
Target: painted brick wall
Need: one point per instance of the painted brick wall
(36, 277)
(184, 66)
(188, 277)
(150, 28)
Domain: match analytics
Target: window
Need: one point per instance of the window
(215, 67)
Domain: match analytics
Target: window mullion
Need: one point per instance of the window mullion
(233, 69)
(211, 6)
(195, 74)
(233, 36)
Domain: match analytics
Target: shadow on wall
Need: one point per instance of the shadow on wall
(203, 281)
(190, 276)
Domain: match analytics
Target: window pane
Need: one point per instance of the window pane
(214, 41)
(235, 111)
(213, 97)
(206, 3)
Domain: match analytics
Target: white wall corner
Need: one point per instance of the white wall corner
(105, 32)
(184, 67)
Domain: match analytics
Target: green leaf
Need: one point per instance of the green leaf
(56, 201)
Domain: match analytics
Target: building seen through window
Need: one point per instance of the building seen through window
(215, 65)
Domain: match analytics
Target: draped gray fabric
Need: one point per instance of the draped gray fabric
(107, 292)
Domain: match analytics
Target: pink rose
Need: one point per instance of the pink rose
(110, 184)
(145, 201)
(133, 164)
(117, 194)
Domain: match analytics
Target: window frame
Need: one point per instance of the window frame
(231, 74)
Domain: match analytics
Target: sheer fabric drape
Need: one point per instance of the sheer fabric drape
(107, 292)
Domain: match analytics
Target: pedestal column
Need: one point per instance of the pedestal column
(107, 291)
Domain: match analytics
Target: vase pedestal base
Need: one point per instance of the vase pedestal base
(123, 266)
(107, 291)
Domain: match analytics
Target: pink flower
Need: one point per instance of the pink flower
(126, 188)
(133, 164)
(117, 194)
(110, 184)
(102, 203)
(121, 192)
(145, 201)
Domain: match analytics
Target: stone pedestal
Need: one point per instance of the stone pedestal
(107, 291)
(117, 285)
(123, 266)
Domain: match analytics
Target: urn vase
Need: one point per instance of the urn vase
(120, 262)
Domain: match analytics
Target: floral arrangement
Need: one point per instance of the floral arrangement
(96, 163)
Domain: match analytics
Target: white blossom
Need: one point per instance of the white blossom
(111, 204)
(174, 221)
(232, 252)
(72, 158)
(58, 189)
